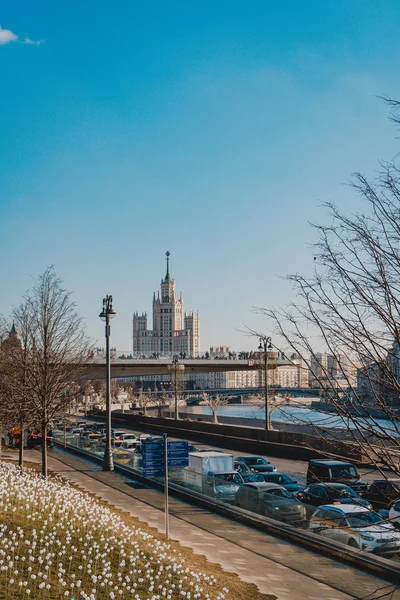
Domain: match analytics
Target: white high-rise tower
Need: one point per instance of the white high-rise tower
(174, 332)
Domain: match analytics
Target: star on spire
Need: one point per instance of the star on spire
(167, 276)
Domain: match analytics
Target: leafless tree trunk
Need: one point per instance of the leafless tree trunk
(161, 400)
(116, 390)
(214, 402)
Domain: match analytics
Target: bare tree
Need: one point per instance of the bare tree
(214, 402)
(275, 402)
(20, 407)
(4, 364)
(144, 400)
(116, 390)
(57, 350)
(99, 386)
(350, 308)
(161, 400)
(130, 390)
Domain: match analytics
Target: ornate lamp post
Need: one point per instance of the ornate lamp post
(106, 315)
(176, 366)
(265, 346)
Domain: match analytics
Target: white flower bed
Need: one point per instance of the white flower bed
(57, 542)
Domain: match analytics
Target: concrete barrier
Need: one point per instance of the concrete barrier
(282, 444)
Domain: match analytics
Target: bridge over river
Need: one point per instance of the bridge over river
(96, 368)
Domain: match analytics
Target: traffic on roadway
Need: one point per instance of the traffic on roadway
(331, 498)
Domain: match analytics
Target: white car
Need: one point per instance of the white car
(394, 512)
(129, 446)
(355, 526)
(126, 436)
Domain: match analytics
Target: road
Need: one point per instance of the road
(297, 469)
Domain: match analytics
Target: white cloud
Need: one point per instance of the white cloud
(7, 36)
(28, 40)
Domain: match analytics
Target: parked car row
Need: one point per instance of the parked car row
(335, 503)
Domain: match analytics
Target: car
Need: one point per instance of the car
(192, 448)
(34, 439)
(317, 494)
(334, 471)
(256, 463)
(246, 473)
(86, 433)
(76, 431)
(241, 467)
(129, 445)
(94, 426)
(92, 435)
(394, 514)
(272, 501)
(121, 436)
(222, 486)
(252, 477)
(355, 526)
(282, 479)
(383, 492)
(103, 435)
(103, 431)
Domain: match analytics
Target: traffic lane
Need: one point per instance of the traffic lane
(297, 469)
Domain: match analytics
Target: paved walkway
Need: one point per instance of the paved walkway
(274, 565)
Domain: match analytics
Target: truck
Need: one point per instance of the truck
(213, 474)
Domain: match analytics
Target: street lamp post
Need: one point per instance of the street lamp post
(106, 315)
(176, 366)
(265, 345)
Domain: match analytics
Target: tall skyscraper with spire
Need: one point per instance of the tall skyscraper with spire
(174, 331)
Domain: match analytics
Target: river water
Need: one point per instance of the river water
(295, 415)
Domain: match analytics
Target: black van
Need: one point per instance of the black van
(334, 471)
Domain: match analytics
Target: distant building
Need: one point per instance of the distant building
(379, 382)
(174, 331)
(221, 352)
(327, 368)
(295, 374)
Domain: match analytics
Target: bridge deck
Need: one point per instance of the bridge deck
(136, 367)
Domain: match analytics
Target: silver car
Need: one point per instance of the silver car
(356, 526)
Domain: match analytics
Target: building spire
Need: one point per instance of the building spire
(167, 254)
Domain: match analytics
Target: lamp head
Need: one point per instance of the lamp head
(108, 310)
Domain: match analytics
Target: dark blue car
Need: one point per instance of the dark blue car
(284, 480)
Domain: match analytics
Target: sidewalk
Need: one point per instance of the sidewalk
(273, 565)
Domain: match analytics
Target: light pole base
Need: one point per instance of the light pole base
(108, 462)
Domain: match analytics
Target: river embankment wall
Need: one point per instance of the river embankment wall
(278, 443)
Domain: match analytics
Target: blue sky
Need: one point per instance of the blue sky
(209, 129)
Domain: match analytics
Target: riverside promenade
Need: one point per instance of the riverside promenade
(274, 565)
